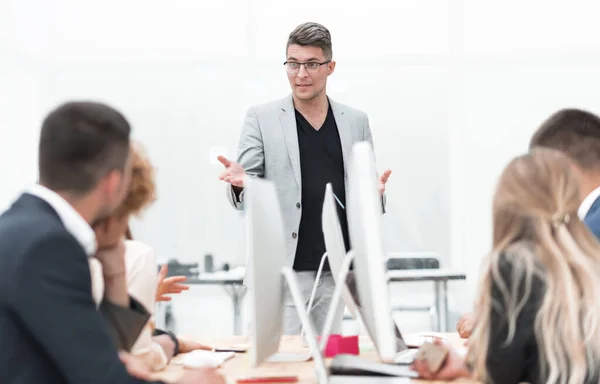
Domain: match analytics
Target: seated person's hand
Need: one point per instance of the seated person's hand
(135, 366)
(110, 231)
(465, 325)
(186, 346)
(169, 285)
(453, 367)
(112, 260)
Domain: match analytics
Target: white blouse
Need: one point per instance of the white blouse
(141, 272)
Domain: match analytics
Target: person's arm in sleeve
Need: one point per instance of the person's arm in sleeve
(369, 137)
(140, 261)
(125, 314)
(55, 305)
(251, 156)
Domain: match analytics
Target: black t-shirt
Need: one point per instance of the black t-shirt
(321, 162)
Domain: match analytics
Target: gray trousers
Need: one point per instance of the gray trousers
(318, 313)
(320, 306)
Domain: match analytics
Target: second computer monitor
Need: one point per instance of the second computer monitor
(266, 258)
(364, 222)
(334, 244)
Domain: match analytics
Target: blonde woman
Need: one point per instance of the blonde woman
(538, 313)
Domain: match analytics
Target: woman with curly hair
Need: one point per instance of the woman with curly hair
(143, 283)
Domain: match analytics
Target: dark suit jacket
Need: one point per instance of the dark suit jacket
(50, 329)
(592, 218)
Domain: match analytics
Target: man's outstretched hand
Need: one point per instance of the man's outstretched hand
(383, 180)
(234, 174)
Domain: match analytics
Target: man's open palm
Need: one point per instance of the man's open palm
(233, 174)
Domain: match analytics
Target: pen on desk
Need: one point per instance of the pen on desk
(338, 201)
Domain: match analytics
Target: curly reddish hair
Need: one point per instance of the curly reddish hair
(142, 188)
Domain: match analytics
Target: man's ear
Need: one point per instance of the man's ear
(331, 68)
(112, 183)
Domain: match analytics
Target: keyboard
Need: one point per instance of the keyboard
(406, 357)
(351, 365)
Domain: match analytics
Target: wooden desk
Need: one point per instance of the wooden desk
(239, 366)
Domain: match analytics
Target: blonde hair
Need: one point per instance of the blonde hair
(537, 232)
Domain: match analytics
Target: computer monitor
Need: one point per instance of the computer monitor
(267, 276)
(265, 260)
(334, 245)
(364, 222)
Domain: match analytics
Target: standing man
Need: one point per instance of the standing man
(302, 142)
(50, 329)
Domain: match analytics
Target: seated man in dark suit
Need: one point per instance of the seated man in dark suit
(50, 329)
(575, 133)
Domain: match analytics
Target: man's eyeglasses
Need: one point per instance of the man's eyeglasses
(313, 66)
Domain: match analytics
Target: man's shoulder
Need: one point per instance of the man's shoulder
(592, 221)
(21, 228)
(30, 245)
(346, 109)
(269, 107)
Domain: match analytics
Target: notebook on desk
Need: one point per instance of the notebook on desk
(351, 365)
(202, 358)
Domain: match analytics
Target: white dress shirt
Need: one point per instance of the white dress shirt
(587, 203)
(71, 219)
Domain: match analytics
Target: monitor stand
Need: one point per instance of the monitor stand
(356, 311)
(341, 277)
(335, 299)
(315, 352)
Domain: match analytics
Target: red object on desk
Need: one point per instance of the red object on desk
(268, 379)
(338, 344)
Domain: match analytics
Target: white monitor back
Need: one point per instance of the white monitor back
(364, 222)
(334, 244)
(266, 257)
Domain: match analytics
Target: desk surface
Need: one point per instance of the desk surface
(239, 366)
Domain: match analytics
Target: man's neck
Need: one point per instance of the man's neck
(588, 183)
(316, 106)
(82, 204)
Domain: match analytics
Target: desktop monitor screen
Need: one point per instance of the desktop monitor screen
(334, 244)
(266, 258)
(364, 222)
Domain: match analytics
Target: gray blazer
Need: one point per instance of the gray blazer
(268, 148)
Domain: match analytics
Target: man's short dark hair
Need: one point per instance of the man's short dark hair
(574, 132)
(80, 143)
(312, 35)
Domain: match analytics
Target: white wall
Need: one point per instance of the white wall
(453, 89)
(518, 62)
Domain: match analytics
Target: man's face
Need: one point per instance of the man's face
(308, 81)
